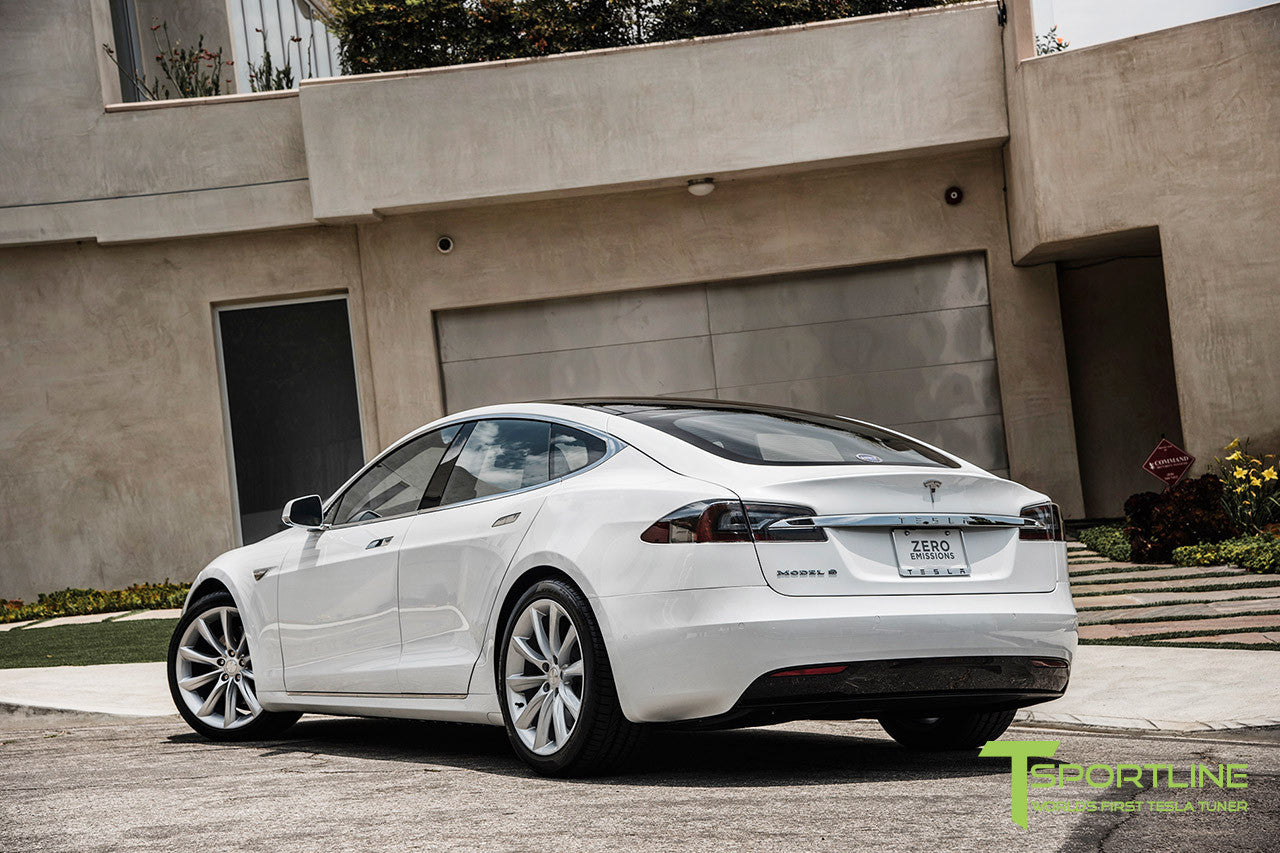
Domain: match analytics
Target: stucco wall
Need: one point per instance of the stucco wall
(113, 463)
(71, 169)
(112, 444)
(1178, 130)
(791, 223)
(799, 97)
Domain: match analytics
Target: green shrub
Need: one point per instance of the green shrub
(77, 602)
(1110, 542)
(1256, 553)
(1190, 513)
(399, 35)
(682, 19)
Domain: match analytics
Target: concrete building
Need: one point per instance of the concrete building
(210, 305)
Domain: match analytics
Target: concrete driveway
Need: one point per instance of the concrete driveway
(98, 784)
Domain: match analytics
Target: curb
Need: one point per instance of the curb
(11, 712)
(1139, 723)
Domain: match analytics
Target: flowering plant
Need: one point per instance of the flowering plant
(1251, 487)
(195, 72)
(1051, 42)
(265, 76)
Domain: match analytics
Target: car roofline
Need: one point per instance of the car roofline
(609, 404)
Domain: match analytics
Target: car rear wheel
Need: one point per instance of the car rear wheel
(211, 674)
(556, 686)
(950, 732)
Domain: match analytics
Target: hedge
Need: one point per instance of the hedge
(1256, 553)
(400, 35)
(1110, 542)
(77, 602)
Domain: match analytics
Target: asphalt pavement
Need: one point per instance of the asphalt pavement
(106, 784)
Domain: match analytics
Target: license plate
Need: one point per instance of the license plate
(930, 552)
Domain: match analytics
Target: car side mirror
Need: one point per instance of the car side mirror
(305, 512)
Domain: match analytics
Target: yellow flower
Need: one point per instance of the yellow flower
(1270, 473)
(1234, 456)
(1241, 472)
(1240, 489)
(1255, 481)
(1235, 442)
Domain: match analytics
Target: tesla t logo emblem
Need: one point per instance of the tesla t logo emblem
(932, 486)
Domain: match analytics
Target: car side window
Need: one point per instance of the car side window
(572, 449)
(500, 456)
(396, 484)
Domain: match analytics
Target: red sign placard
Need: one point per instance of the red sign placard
(1168, 462)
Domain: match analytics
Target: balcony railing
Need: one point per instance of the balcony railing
(292, 30)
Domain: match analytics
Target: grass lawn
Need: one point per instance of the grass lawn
(79, 645)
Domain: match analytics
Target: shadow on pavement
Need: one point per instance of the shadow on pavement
(768, 757)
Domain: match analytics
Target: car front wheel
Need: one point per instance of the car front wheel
(556, 686)
(211, 674)
(949, 732)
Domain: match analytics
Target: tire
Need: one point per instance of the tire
(598, 739)
(950, 732)
(201, 674)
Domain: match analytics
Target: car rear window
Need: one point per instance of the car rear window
(776, 438)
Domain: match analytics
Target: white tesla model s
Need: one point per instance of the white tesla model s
(580, 570)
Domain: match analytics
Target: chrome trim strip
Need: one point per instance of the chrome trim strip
(927, 520)
(376, 695)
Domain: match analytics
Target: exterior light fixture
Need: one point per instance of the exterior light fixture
(702, 186)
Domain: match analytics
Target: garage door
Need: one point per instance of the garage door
(905, 345)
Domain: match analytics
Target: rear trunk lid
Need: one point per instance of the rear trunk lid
(903, 531)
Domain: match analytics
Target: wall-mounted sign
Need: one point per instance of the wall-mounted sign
(1168, 462)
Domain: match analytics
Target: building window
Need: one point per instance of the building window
(128, 54)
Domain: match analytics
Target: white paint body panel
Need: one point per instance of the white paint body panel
(451, 564)
(338, 609)
(687, 626)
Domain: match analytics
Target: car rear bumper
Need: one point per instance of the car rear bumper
(708, 653)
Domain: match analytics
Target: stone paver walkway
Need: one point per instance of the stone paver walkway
(1248, 639)
(152, 614)
(1161, 604)
(1110, 575)
(117, 616)
(1143, 598)
(75, 620)
(1209, 610)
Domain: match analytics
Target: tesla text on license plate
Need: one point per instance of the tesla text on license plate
(928, 553)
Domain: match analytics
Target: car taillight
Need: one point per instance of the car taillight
(732, 521)
(1050, 519)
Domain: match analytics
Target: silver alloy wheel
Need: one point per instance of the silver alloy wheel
(214, 672)
(544, 677)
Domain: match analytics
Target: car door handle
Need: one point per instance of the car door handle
(378, 543)
(506, 519)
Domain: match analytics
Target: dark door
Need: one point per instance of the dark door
(291, 400)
